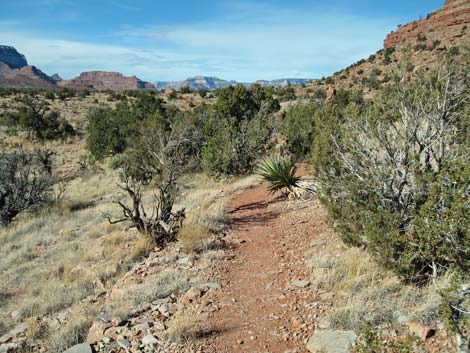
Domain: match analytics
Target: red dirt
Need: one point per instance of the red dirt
(257, 310)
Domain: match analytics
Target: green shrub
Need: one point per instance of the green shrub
(387, 55)
(395, 174)
(236, 131)
(298, 129)
(34, 117)
(373, 340)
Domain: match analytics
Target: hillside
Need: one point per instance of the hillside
(417, 46)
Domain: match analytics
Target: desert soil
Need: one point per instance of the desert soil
(265, 281)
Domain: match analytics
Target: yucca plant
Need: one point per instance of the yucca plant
(280, 173)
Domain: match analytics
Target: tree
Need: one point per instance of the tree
(25, 181)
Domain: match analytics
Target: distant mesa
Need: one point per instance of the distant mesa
(283, 82)
(103, 80)
(214, 83)
(195, 83)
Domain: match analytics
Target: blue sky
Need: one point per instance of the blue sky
(175, 39)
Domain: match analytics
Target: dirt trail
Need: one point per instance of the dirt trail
(261, 306)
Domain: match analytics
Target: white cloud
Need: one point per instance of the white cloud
(250, 42)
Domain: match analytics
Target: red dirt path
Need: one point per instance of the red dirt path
(258, 309)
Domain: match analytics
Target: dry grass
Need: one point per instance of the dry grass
(192, 236)
(185, 324)
(52, 260)
(365, 292)
(160, 285)
(206, 200)
(142, 248)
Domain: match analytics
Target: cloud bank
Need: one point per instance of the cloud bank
(250, 42)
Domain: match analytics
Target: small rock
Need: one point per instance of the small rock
(21, 328)
(299, 283)
(149, 339)
(79, 348)
(331, 341)
(123, 343)
(185, 261)
(117, 321)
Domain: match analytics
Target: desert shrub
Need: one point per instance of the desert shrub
(435, 44)
(25, 182)
(320, 94)
(109, 130)
(34, 117)
(373, 340)
(112, 131)
(185, 325)
(298, 128)
(453, 51)
(420, 46)
(236, 131)
(330, 81)
(202, 92)
(387, 55)
(286, 94)
(396, 176)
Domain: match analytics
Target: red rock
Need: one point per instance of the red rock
(97, 330)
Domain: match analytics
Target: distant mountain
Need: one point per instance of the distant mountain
(56, 78)
(16, 73)
(214, 83)
(283, 82)
(198, 82)
(103, 80)
(25, 77)
(11, 57)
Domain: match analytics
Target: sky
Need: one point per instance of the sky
(175, 39)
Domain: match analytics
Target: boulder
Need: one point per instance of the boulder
(330, 341)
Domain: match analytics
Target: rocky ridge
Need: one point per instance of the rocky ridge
(25, 77)
(447, 24)
(418, 46)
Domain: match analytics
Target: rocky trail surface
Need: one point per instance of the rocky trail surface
(263, 305)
